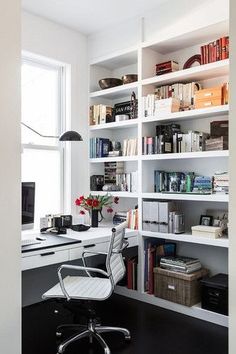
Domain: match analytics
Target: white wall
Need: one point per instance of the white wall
(168, 19)
(51, 40)
(232, 164)
(10, 275)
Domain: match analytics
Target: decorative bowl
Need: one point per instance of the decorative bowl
(127, 79)
(109, 82)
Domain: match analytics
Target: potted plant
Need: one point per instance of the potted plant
(94, 204)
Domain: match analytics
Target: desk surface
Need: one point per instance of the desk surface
(96, 234)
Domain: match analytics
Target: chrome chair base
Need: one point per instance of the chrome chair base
(92, 330)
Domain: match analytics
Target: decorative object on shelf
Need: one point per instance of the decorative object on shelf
(206, 231)
(129, 78)
(94, 204)
(167, 67)
(121, 117)
(133, 106)
(96, 182)
(69, 135)
(192, 60)
(206, 220)
(109, 82)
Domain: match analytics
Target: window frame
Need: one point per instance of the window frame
(61, 68)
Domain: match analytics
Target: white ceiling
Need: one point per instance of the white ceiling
(89, 16)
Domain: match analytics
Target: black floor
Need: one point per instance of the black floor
(154, 330)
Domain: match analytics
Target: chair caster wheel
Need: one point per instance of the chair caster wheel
(127, 338)
(58, 334)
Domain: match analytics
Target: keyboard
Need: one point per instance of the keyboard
(29, 242)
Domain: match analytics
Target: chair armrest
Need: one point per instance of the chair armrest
(91, 252)
(86, 269)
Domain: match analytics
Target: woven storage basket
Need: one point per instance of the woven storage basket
(177, 287)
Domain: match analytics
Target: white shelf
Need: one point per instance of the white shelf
(116, 194)
(187, 155)
(194, 311)
(198, 73)
(115, 125)
(192, 114)
(114, 159)
(117, 59)
(116, 92)
(219, 242)
(224, 198)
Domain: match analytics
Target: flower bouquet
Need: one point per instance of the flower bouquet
(94, 204)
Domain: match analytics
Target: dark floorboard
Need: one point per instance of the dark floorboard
(154, 330)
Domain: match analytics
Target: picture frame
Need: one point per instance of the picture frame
(206, 220)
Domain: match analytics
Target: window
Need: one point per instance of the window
(42, 158)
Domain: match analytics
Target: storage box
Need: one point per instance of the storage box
(215, 293)
(220, 143)
(177, 287)
(167, 106)
(208, 97)
(167, 67)
(206, 231)
(219, 128)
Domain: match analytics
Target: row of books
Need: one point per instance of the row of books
(127, 182)
(102, 147)
(99, 113)
(130, 147)
(180, 142)
(182, 182)
(132, 219)
(215, 51)
(154, 249)
(180, 264)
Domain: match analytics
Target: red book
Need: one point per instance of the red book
(223, 48)
(217, 50)
(129, 274)
(220, 48)
(227, 47)
(210, 48)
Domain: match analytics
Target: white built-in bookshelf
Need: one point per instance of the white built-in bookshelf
(213, 253)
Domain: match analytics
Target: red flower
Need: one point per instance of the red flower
(116, 200)
(82, 212)
(95, 203)
(77, 202)
(109, 210)
(89, 202)
(81, 198)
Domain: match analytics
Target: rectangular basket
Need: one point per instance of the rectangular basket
(177, 287)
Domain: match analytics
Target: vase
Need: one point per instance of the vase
(94, 218)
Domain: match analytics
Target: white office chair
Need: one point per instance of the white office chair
(90, 287)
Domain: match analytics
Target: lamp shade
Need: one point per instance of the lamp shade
(70, 135)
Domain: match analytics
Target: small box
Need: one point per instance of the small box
(220, 143)
(208, 97)
(215, 293)
(206, 231)
(167, 106)
(167, 67)
(184, 289)
(219, 128)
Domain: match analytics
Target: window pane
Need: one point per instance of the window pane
(43, 168)
(40, 103)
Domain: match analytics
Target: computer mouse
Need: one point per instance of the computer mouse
(80, 227)
(41, 238)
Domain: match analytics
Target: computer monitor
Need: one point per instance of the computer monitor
(27, 205)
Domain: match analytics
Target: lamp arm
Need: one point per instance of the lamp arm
(35, 131)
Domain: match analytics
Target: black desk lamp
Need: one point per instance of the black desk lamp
(70, 135)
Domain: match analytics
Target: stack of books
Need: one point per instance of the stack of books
(127, 182)
(111, 169)
(221, 182)
(99, 147)
(180, 264)
(132, 267)
(132, 219)
(215, 51)
(130, 147)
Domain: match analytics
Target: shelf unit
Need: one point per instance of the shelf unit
(141, 60)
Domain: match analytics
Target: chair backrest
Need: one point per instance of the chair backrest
(114, 262)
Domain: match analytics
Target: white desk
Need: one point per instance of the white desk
(94, 239)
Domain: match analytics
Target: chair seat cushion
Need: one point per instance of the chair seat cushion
(82, 288)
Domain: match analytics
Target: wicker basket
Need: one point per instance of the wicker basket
(177, 287)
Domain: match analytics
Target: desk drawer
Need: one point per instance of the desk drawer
(77, 252)
(45, 258)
